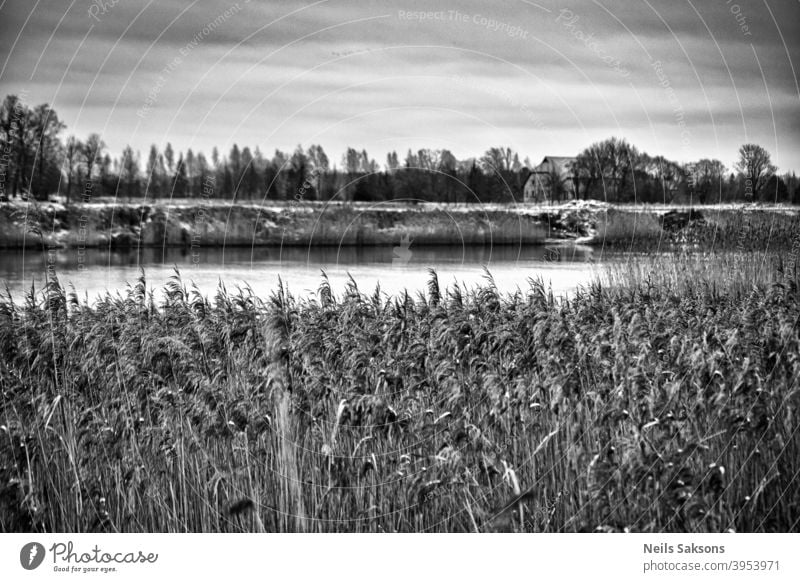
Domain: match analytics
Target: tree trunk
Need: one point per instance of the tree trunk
(69, 184)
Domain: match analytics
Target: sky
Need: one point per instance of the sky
(687, 79)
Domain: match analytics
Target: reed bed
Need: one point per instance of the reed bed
(654, 400)
(744, 229)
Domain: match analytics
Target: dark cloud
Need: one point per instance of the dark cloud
(542, 77)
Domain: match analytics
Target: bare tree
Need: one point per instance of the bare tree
(16, 121)
(45, 128)
(320, 164)
(756, 166)
(351, 161)
(428, 159)
(129, 169)
(612, 162)
(318, 158)
(190, 172)
(392, 162)
(72, 158)
(665, 173)
(169, 156)
(92, 152)
(704, 177)
(154, 177)
(447, 161)
(497, 160)
(586, 173)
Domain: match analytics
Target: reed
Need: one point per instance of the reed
(742, 229)
(661, 398)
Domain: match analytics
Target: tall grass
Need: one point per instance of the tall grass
(656, 400)
(730, 273)
(743, 230)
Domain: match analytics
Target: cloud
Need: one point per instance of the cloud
(537, 76)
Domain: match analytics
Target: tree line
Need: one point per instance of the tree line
(37, 162)
(615, 170)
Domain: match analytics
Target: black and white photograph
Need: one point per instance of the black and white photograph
(527, 269)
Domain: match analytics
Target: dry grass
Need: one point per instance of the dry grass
(740, 230)
(629, 229)
(665, 400)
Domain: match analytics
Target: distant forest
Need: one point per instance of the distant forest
(38, 161)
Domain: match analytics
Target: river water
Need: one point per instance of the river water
(93, 272)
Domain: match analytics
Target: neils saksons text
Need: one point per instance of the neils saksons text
(665, 548)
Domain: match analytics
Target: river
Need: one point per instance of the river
(93, 272)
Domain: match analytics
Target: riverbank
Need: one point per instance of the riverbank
(220, 223)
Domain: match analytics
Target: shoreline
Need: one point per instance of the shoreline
(203, 224)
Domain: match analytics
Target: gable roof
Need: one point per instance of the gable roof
(559, 163)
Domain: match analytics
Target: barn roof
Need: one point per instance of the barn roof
(557, 162)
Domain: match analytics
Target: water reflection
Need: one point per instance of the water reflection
(405, 266)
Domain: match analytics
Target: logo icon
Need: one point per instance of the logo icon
(31, 555)
(402, 254)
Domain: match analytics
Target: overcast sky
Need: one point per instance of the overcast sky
(683, 78)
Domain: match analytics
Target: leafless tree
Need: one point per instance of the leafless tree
(755, 164)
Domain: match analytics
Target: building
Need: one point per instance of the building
(550, 180)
